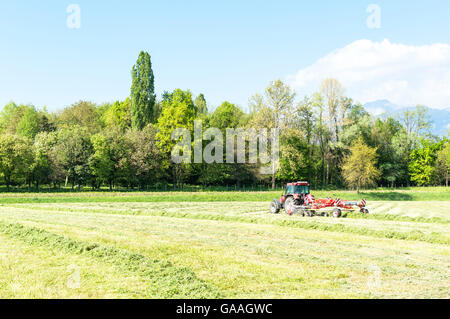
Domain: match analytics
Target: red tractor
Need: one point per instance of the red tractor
(298, 200)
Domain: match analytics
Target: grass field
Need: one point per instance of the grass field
(382, 194)
(222, 245)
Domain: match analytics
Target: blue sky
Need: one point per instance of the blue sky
(227, 50)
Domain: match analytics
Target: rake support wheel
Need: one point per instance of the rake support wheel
(337, 213)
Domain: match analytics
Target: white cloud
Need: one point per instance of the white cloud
(402, 74)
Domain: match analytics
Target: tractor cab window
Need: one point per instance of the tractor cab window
(297, 189)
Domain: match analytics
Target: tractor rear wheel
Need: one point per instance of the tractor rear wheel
(337, 213)
(275, 206)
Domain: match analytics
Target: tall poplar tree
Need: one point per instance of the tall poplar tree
(143, 96)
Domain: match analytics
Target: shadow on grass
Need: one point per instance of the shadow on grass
(387, 196)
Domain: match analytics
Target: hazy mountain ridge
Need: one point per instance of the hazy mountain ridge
(439, 117)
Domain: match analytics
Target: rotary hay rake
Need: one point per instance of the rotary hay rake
(298, 200)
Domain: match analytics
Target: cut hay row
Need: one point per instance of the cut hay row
(426, 232)
(30, 271)
(383, 211)
(163, 278)
(250, 260)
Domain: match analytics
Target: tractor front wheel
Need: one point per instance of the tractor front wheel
(275, 206)
(337, 213)
(365, 211)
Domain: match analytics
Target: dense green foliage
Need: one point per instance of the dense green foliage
(129, 143)
(359, 167)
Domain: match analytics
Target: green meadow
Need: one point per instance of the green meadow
(222, 245)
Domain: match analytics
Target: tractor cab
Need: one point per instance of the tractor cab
(301, 188)
(296, 193)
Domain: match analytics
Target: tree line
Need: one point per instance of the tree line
(325, 138)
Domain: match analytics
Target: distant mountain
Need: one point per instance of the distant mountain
(440, 118)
